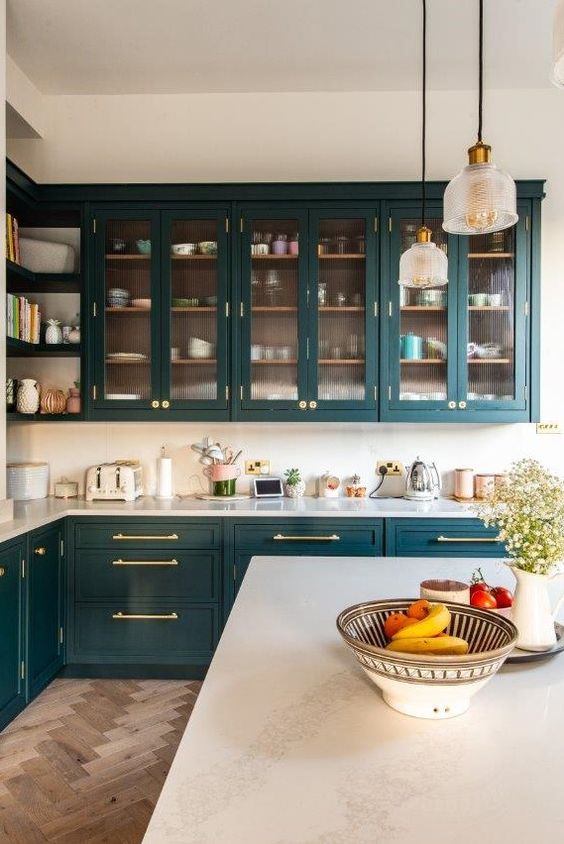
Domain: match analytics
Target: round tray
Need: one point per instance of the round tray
(517, 655)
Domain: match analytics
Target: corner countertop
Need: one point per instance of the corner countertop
(29, 515)
(290, 742)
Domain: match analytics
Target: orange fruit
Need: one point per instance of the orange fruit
(419, 609)
(395, 622)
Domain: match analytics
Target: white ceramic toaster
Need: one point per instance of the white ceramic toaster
(121, 481)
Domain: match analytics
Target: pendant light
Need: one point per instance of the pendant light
(558, 45)
(423, 264)
(481, 198)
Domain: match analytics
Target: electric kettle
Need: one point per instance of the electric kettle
(423, 482)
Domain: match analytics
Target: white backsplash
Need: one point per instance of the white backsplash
(341, 448)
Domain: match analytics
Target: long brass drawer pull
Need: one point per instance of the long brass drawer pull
(123, 616)
(145, 536)
(281, 538)
(468, 539)
(144, 562)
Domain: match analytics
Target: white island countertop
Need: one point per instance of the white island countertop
(29, 515)
(290, 743)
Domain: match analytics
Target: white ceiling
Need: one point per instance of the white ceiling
(183, 46)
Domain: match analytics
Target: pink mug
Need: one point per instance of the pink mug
(222, 472)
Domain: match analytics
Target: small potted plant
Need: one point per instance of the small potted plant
(528, 509)
(295, 486)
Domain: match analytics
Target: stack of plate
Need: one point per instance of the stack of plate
(27, 480)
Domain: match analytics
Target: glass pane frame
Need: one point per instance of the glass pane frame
(370, 318)
(283, 214)
(222, 266)
(103, 218)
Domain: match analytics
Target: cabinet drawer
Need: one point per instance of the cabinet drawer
(328, 536)
(441, 538)
(141, 633)
(127, 573)
(125, 534)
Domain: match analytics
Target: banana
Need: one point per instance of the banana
(437, 620)
(437, 646)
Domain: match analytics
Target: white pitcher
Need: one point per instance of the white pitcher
(531, 611)
(28, 396)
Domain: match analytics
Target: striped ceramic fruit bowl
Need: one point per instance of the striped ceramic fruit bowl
(423, 685)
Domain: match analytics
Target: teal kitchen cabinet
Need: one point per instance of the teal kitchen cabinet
(441, 538)
(12, 638)
(463, 352)
(45, 607)
(307, 346)
(160, 314)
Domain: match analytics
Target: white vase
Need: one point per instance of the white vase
(28, 396)
(53, 333)
(296, 490)
(532, 613)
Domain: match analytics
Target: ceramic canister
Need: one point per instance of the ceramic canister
(411, 347)
(25, 481)
(464, 483)
(484, 486)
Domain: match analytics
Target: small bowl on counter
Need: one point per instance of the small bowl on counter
(424, 685)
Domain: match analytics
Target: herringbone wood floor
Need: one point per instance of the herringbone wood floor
(86, 761)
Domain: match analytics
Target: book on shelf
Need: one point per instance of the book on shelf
(12, 239)
(23, 319)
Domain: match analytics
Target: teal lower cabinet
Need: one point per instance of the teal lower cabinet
(145, 596)
(12, 635)
(300, 537)
(441, 538)
(45, 607)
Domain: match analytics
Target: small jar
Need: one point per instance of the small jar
(341, 244)
(484, 486)
(293, 245)
(323, 246)
(360, 244)
(464, 484)
(280, 245)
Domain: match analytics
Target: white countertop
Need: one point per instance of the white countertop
(29, 515)
(290, 743)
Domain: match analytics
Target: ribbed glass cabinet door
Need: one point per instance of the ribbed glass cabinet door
(129, 246)
(274, 311)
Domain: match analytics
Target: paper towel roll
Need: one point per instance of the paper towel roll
(164, 477)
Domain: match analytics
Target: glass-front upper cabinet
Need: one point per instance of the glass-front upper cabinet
(343, 313)
(274, 311)
(160, 314)
(494, 283)
(195, 310)
(126, 337)
(419, 327)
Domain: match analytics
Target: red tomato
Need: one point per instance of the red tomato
(503, 596)
(479, 586)
(484, 600)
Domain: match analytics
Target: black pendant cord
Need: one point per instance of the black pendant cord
(424, 113)
(481, 73)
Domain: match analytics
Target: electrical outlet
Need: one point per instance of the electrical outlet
(393, 467)
(549, 428)
(257, 467)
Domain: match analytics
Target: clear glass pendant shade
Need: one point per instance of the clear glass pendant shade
(423, 265)
(480, 199)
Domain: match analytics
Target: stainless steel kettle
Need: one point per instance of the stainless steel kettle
(423, 482)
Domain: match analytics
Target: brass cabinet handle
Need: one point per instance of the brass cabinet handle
(165, 404)
(462, 404)
(144, 562)
(468, 539)
(145, 536)
(331, 538)
(155, 404)
(302, 405)
(123, 616)
(40, 551)
(313, 405)
(2, 571)
(451, 405)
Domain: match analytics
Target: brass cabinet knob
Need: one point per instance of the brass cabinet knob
(313, 405)
(165, 404)
(451, 405)
(462, 404)
(155, 404)
(302, 405)
(40, 551)
(2, 571)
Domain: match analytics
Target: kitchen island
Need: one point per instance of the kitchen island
(290, 743)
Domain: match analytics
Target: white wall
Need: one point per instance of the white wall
(317, 137)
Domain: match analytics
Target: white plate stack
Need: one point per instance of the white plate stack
(27, 480)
